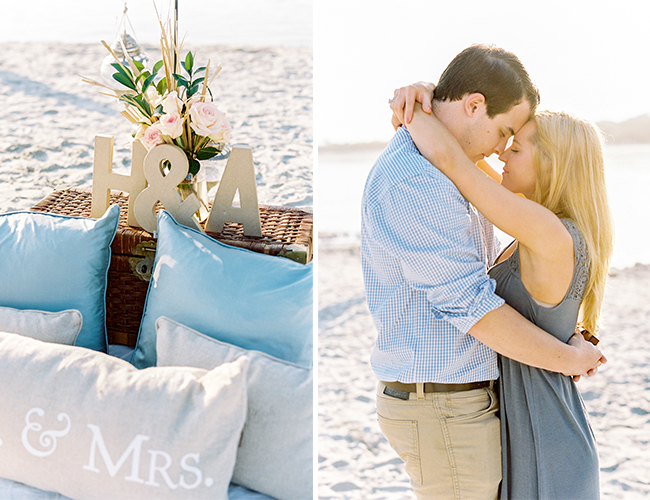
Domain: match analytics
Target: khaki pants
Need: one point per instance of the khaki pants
(450, 442)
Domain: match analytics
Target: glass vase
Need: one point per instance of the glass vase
(198, 186)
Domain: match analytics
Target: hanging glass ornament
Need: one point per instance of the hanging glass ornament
(123, 45)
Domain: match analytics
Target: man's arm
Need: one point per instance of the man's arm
(439, 257)
(507, 332)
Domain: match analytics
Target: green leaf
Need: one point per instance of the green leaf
(161, 88)
(144, 105)
(189, 63)
(138, 65)
(123, 70)
(129, 100)
(138, 102)
(181, 81)
(195, 166)
(207, 153)
(125, 98)
(147, 82)
(127, 82)
(142, 76)
(202, 68)
(157, 66)
(192, 90)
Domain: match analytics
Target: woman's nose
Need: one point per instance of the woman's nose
(504, 156)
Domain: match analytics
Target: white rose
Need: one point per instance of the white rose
(171, 103)
(171, 124)
(153, 97)
(207, 121)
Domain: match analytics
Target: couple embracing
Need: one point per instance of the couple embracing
(476, 352)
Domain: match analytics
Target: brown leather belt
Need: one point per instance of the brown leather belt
(433, 387)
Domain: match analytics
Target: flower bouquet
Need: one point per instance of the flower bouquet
(168, 105)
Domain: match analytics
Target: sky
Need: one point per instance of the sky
(588, 57)
(230, 22)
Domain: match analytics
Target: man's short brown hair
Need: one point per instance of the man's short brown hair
(491, 71)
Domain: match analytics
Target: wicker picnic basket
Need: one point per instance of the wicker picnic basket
(287, 232)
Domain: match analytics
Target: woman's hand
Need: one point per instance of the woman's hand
(404, 100)
(590, 356)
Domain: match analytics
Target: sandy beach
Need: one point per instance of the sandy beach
(48, 122)
(49, 117)
(356, 463)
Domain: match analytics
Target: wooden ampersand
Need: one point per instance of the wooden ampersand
(162, 188)
(104, 179)
(239, 175)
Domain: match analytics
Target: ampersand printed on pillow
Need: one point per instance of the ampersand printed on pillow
(162, 188)
(46, 439)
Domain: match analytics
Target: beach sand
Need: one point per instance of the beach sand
(48, 121)
(49, 117)
(356, 463)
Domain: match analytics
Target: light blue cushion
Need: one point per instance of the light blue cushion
(52, 262)
(231, 294)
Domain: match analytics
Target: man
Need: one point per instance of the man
(425, 252)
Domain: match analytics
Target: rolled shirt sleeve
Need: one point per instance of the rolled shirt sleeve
(435, 248)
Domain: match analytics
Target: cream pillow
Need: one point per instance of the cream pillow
(57, 327)
(90, 426)
(275, 456)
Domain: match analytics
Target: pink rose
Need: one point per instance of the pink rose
(152, 137)
(207, 121)
(171, 124)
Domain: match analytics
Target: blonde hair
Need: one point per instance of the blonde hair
(568, 161)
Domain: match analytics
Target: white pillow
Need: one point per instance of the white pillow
(57, 327)
(275, 456)
(86, 425)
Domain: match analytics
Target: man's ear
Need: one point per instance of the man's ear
(474, 103)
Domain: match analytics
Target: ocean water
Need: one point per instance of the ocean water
(206, 22)
(342, 174)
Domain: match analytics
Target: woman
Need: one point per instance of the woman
(553, 273)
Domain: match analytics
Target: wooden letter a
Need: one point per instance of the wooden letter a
(239, 175)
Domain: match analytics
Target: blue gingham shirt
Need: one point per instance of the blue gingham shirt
(425, 251)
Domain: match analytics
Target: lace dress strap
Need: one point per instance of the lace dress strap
(581, 262)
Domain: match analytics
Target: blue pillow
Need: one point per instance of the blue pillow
(231, 294)
(53, 262)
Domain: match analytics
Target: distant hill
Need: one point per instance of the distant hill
(632, 131)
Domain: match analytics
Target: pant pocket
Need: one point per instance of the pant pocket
(472, 405)
(402, 435)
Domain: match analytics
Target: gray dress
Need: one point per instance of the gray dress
(549, 450)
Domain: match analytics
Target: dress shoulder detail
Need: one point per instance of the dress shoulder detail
(581, 259)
